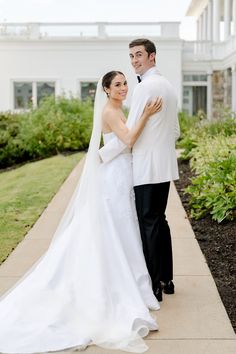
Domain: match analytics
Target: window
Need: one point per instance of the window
(22, 95)
(45, 89)
(28, 94)
(186, 93)
(88, 89)
(194, 99)
(195, 77)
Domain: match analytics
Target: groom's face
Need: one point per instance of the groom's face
(140, 59)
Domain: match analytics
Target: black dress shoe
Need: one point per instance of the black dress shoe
(158, 293)
(168, 287)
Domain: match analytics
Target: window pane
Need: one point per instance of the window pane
(186, 93)
(188, 78)
(203, 77)
(45, 89)
(187, 100)
(88, 89)
(22, 95)
(195, 77)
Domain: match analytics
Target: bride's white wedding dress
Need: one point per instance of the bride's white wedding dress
(90, 287)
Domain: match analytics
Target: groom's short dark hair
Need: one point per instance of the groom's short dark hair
(148, 45)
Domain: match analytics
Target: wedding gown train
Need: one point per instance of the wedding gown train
(88, 288)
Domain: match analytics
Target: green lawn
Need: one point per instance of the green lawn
(25, 192)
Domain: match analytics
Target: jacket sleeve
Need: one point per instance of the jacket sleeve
(177, 128)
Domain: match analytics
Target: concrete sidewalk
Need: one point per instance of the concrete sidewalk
(192, 321)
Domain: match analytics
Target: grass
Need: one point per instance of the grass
(25, 192)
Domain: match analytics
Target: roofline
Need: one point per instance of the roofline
(196, 7)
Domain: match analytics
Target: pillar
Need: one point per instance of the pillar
(209, 21)
(234, 17)
(209, 95)
(234, 88)
(227, 18)
(216, 20)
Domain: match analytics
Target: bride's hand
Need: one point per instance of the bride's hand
(153, 107)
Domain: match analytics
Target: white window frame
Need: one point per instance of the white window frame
(86, 79)
(34, 90)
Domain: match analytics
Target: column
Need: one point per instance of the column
(234, 17)
(198, 29)
(101, 30)
(227, 18)
(199, 33)
(200, 47)
(209, 95)
(204, 24)
(204, 46)
(234, 88)
(34, 30)
(216, 20)
(209, 20)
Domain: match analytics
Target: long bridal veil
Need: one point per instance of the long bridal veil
(82, 290)
(86, 192)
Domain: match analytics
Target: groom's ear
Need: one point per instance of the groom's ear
(152, 56)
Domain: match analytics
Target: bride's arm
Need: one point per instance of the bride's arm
(129, 136)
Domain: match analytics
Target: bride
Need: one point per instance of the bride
(92, 285)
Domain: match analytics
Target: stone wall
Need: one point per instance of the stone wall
(221, 90)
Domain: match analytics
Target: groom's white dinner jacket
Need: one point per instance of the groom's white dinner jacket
(154, 155)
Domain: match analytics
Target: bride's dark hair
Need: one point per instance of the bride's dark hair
(108, 77)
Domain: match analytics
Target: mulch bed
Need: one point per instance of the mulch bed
(218, 244)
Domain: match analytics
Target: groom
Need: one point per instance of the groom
(154, 163)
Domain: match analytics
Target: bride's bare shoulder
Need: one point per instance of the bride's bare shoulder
(109, 113)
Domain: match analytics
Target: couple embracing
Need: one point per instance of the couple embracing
(111, 256)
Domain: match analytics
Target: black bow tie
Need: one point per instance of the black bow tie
(139, 79)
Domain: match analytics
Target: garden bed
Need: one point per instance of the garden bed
(218, 244)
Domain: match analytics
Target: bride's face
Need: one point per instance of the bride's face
(118, 88)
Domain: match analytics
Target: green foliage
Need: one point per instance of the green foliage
(9, 129)
(198, 128)
(55, 126)
(211, 148)
(188, 134)
(214, 191)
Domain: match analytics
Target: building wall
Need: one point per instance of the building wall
(70, 61)
(214, 52)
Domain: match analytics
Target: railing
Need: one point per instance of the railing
(88, 30)
(208, 50)
(197, 50)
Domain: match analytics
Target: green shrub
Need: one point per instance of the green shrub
(9, 130)
(188, 134)
(59, 125)
(187, 123)
(214, 191)
(194, 129)
(211, 148)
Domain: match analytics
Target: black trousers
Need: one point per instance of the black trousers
(151, 201)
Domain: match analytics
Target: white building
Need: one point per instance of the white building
(209, 64)
(37, 59)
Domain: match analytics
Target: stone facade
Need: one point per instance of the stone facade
(221, 90)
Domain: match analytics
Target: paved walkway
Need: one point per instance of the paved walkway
(192, 321)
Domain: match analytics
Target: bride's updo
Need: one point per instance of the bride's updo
(108, 77)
